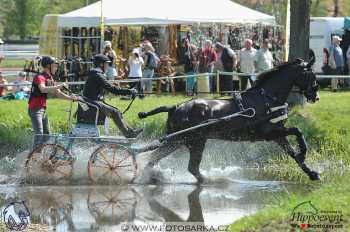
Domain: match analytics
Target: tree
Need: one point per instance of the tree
(299, 36)
(336, 8)
(23, 18)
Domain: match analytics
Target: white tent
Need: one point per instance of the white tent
(162, 12)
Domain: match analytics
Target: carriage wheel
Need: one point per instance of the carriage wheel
(112, 163)
(112, 205)
(50, 161)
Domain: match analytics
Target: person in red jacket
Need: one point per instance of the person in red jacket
(43, 84)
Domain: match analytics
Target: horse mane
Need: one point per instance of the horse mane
(264, 76)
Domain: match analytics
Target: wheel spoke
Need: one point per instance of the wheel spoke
(104, 208)
(123, 160)
(114, 154)
(99, 166)
(104, 174)
(105, 196)
(101, 202)
(113, 212)
(102, 161)
(116, 173)
(103, 156)
(123, 166)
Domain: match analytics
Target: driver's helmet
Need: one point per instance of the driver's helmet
(100, 59)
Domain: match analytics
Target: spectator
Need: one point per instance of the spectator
(246, 63)
(21, 84)
(263, 58)
(336, 60)
(111, 72)
(135, 66)
(190, 61)
(166, 70)
(227, 62)
(3, 81)
(209, 59)
(21, 89)
(151, 61)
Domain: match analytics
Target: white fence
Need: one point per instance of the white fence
(235, 76)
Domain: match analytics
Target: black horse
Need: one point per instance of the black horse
(267, 98)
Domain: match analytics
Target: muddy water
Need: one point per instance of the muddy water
(104, 208)
(229, 193)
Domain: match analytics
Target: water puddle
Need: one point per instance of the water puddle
(229, 193)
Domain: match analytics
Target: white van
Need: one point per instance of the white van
(321, 31)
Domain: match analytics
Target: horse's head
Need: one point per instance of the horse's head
(307, 82)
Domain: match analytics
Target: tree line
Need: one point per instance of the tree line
(23, 18)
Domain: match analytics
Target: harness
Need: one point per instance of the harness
(277, 113)
(274, 114)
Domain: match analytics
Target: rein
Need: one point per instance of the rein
(130, 104)
(126, 109)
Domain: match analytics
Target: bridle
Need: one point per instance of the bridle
(309, 85)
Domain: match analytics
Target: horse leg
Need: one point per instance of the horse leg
(163, 151)
(162, 109)
(274, 133)
(196, 148)
(285, 145)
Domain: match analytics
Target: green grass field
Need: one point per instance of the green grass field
(326, 126)
(331, 196)
(12, 64)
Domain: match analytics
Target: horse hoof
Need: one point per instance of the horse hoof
(200, 179)
(314, 176)
(142, 115)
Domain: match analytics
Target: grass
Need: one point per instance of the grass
(331, 196)
(15, 125)
(326, 126)
(9, 63)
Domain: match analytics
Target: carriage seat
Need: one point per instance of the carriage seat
(86, 125)
(85, 130)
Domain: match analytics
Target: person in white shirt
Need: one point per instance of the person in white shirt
(21, 85)
(246, 63)
(135, 66)
(263, 58)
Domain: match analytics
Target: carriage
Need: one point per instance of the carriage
(109, 157)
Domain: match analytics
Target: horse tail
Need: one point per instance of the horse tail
(162, 109)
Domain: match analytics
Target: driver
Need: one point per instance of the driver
(94, 87)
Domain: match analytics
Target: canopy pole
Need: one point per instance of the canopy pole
(102, 26)
(286, 44)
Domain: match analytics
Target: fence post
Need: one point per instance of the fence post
(217, 81)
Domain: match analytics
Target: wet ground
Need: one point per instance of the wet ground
(229, 193)
(105, 208)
